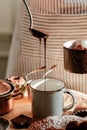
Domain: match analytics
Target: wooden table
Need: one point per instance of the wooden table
(21, 106)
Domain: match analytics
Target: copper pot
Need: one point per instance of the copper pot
(7, 92)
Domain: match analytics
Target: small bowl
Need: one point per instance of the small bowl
(81, 113)
(4, 124)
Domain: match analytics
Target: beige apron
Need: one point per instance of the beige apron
(65, 20)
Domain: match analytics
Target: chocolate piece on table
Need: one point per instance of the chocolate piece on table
(21, 121)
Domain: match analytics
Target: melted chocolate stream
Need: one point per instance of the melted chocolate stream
(40, 52)
(45, 41)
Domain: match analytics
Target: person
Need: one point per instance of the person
(64, 20)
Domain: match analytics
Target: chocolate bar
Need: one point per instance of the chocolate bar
(21, 121)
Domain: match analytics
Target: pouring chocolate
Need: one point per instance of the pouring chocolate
(40, 34)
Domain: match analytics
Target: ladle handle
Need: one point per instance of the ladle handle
(35, 71)
(50, 70)
(29, 12)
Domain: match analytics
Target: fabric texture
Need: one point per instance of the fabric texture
(64, 20)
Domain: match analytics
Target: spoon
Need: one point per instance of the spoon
(36, 33)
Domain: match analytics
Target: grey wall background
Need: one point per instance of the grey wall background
(8, 13)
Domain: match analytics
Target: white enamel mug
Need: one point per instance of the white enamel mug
(48, 97)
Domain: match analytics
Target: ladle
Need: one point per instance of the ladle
(36, 33)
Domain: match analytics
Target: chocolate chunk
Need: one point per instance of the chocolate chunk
(21, 121)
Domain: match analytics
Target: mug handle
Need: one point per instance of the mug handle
(73, 98)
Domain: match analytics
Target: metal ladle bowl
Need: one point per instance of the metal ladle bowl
(36, 33)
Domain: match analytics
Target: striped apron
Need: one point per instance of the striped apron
(64, 20)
